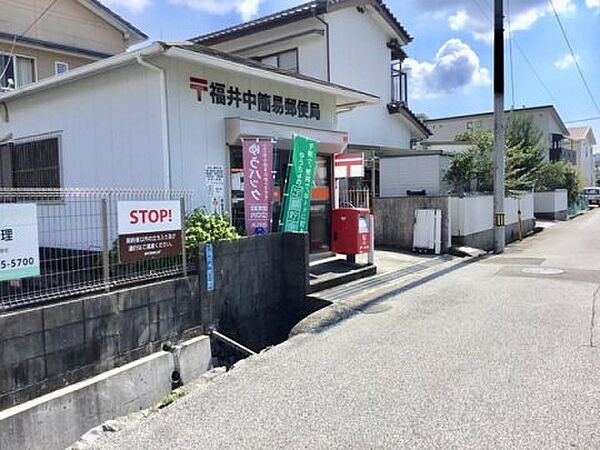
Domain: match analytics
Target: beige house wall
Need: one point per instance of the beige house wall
(45, 59)
(68, 22)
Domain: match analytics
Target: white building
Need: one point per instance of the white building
(357, 44)
(554, 131)
(157, 117)
(582, 141)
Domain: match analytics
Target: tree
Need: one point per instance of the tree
(524, 152)
(474, 164)
(524, 157)
(560, 175)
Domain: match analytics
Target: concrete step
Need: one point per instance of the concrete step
(337, 272)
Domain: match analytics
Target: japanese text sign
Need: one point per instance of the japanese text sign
(19, 251)
(296, 207)
(258, 185)
(232, 96)
(149, 229)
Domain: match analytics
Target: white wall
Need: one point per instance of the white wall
(198, 128)
(360, 58)
(551, 202)
(109, 127)
(475, 214)
(399, 174)
(312, 48)
(585, 161)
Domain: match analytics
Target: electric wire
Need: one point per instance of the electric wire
(573, 55)
(14, 42)
(521, 51)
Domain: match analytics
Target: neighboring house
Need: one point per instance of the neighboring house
(37, 42)
(582, 141)
(357, 44)
(555, 132)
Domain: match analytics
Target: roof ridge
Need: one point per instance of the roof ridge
(293, 14)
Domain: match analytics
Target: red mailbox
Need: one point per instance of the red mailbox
(350, 230)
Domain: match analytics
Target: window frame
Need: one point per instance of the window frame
(277, 54)
(56, 63)
(26, 140)
(14, 57)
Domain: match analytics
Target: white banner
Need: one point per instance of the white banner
(148, 216)
(19, 251)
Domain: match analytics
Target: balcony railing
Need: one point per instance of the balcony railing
(563, 154)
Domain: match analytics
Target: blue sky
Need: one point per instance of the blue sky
(451, 55)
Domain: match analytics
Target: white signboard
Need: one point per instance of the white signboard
(148, 216)
(19, 251)
(215, 181)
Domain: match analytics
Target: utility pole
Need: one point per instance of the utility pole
(499, 218)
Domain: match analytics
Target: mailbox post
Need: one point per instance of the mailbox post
(351, 231)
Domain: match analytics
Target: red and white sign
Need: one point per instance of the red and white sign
(148, 216)
(149, 229)
(348, 165)
(258, 185)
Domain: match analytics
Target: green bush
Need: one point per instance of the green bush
(560, 175)
(203, 227)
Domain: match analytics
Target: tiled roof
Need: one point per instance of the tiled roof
(295, 14)
(252, 63)
(578, 133)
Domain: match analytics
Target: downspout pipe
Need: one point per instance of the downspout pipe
(328, 47)
(164, 119)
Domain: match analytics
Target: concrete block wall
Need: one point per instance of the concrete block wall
(57, 420)
(44, 348)
(551, 205)
(395, 220)
(472, 219)
(260, 286)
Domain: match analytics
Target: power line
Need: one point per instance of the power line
(583, 120)
(36, 20)
(562, 29)
(510, 53)
(521, 51)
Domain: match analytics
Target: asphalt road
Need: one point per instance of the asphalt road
(487, 356)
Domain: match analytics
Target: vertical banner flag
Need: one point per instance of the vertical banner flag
(258, 185)
(296, 207)
(19, 251)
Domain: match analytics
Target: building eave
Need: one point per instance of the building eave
(198, 53)
(301, 12)
(133, 34)
(52, 46)
(202, 55)
(403, 110)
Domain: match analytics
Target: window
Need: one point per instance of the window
(399, 83)
(284, 60)
(18, 71)
(60, 68)
(31, 164)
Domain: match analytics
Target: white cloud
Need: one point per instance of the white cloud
(593, 4)
(566, 61)
(454, 67)
(132, 5)
(476, 17)
(247, 9)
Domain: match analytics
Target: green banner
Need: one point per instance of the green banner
(296, 199)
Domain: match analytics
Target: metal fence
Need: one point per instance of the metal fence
(355, 198)
(78, 244)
